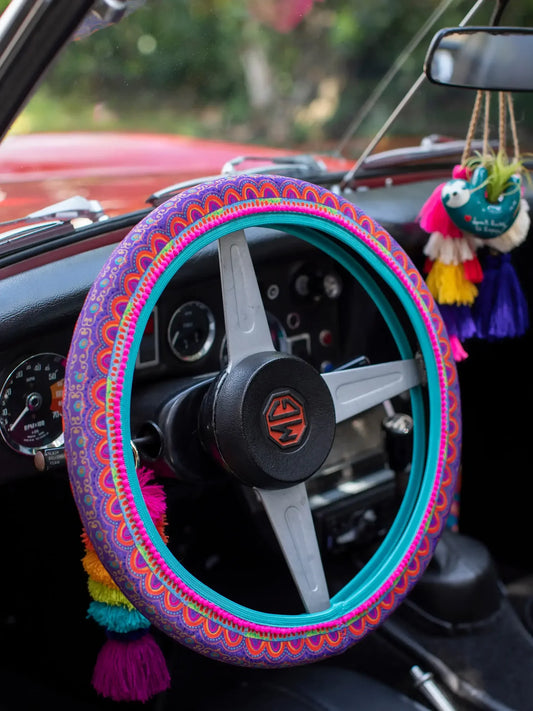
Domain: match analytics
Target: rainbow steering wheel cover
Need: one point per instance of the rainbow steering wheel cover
(96, 415)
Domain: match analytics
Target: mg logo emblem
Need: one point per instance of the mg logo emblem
(285, 420)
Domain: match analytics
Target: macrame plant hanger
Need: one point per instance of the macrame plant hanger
(480, 210)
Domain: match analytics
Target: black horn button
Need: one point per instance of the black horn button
(270, 420)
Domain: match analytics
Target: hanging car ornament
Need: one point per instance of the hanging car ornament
(480, 209)
(468, 205)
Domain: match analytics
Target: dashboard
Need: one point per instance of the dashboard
(185, 333)
(41, 296)
(316, 311)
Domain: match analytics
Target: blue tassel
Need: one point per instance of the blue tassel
(459, 320)
(500, 310)
(117, 618)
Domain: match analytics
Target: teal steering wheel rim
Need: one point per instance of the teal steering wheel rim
(98, 385)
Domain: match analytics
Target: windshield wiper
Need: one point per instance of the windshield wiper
(299, 166)
(60, 218)
(72, 208)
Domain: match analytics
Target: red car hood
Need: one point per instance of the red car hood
(119, 170)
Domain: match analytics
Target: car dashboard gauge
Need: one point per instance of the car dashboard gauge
(31, 404)
(191, 331)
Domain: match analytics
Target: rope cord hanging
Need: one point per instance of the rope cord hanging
(472, 127)
(505, 112)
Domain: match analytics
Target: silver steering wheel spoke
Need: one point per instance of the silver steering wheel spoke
(247, 329)
(357, 389)
(291, 519)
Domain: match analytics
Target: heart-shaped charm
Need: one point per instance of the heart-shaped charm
(468, 207)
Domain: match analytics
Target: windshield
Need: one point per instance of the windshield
(241, 77)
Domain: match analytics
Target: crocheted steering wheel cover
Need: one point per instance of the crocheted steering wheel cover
(98, 380)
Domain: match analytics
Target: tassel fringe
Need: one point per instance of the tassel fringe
(130, 665)
(501, 310)
(459, 321)
(117, 618)
(473, 304)
(449, 285)
(134, 670)
(458, 351)
(95, 570)
(107, 594)
(448, 250)
(434, 218)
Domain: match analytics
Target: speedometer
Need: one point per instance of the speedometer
(31, 404)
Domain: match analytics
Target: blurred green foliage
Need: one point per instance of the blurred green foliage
(212, 68)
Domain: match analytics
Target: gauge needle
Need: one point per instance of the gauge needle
(175, 339)
(19, 418)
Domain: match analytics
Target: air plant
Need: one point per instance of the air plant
(500, 169)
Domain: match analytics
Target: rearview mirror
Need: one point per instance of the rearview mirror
(490, 58)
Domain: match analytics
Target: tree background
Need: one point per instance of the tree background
(244, 70)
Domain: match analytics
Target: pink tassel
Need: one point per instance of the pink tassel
(458, 351)
(153, 494)
(434, 218)
(131, 669)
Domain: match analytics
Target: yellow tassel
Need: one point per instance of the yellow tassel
(108, 595)
(448, 284)
(95, 570)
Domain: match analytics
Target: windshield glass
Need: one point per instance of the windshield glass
(238, 76)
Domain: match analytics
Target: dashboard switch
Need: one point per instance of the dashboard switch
(300, 345)
(293, 320)
(325, 337)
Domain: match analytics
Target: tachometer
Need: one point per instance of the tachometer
(31, 404)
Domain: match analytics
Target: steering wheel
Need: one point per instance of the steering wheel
(269, 418)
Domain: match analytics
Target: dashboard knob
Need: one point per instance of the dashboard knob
(313, 283)
(398, 430)
(49, 459)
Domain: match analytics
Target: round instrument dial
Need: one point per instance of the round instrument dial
(191, 331)
(31, 404)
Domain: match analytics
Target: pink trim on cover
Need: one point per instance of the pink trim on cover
(122, 352)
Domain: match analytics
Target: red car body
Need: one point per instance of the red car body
(120, 170)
